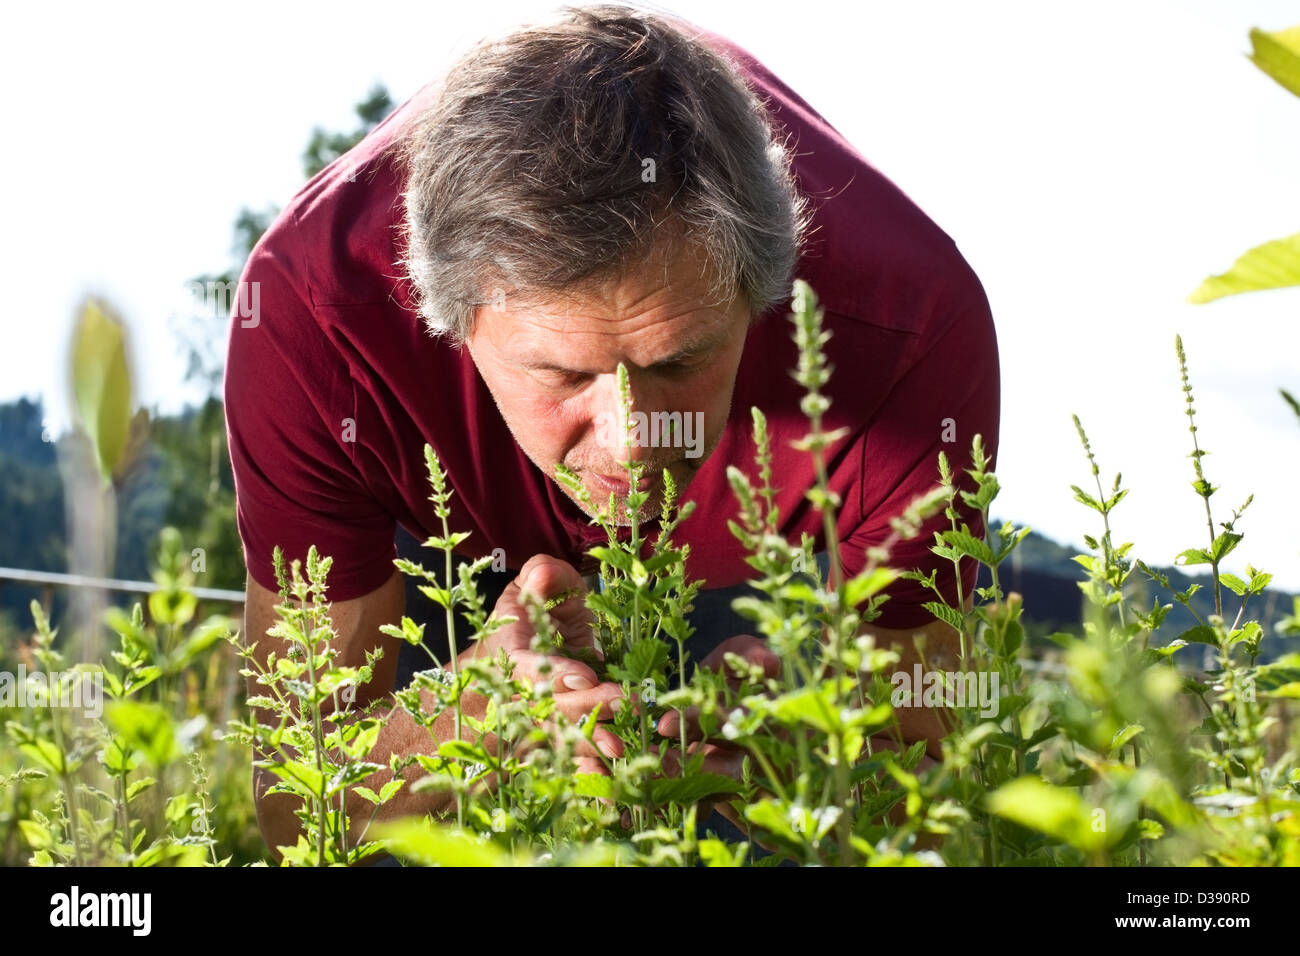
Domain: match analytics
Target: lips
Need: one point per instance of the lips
(619, 484)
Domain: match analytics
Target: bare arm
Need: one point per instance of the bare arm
(357, 624)
(942, 646)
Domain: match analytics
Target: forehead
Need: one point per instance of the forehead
(664, 310)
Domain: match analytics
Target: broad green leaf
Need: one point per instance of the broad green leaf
(44, 752)
(945, 613)
(147, 727)
(428, 844)
(101, 383)
(1200, 634)
(969, 545)
(1057, 811)
(593, 785)
(1124, 736)
(1278, 55)
(689, 790)
(464, 750)
(37, 836)
(1270, 677)
(1224, 545)
(864, 585)
(1233, 583)
(645, 659)
(1273, 265)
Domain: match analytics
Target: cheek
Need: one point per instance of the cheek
(546, 427)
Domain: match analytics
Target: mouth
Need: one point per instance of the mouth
(619, 485)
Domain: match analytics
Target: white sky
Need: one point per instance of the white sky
(1093, 162)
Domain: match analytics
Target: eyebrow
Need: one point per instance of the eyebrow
(687, 351)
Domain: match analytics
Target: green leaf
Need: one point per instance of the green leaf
(688, 790)
(1224, 545)
(645, 659)
(614, 557)
(864, 585)
(969, 545)
(945, 613)
(428, 844)
(37, 836)
(1251, 632)
(1234, 584)
(147, 727)
(1124, 736)
(593, 785)
(1193, 556)
(101, 383)
(464, 750)
(1278, 55)
(1057, 811)
(1259, 581)
(45, 753)
(1273, 676)
(138, 787)
(1200, 634)
(1083, 497)
(1273, 265)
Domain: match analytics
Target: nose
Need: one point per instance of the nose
(621, 439)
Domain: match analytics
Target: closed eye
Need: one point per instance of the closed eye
(683, 366)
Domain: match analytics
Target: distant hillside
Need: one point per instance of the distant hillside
(1047, 576)
(181, 477)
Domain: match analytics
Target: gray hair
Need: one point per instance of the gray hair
(559, 156)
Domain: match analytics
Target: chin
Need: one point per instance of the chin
(650, 511)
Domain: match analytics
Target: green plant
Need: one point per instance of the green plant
(98, 779)
(316, 753)
(1107, 751)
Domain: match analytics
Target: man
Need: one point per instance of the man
(614, 187)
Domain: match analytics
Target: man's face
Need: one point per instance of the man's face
(551, 366)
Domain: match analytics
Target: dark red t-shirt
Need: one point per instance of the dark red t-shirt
(332, 393)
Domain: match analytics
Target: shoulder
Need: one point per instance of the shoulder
(874, 256)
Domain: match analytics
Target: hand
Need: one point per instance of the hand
(576, 687)
(753, 650)
(720, 756)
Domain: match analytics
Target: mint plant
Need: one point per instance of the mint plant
(1109, 747)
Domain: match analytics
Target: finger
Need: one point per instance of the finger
(564, 675)
(576, 688)
(670, 724)
(751, 648)
(547, 577)
(608, 742)
(718, 758)
(604, 744)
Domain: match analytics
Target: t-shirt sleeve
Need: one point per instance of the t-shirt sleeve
(288, 395)
(956, 377)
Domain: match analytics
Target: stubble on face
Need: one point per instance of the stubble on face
(645, 319)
